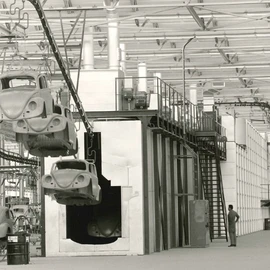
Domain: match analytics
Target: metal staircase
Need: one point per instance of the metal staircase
(209, 158)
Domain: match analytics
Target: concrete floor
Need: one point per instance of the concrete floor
(251, 253)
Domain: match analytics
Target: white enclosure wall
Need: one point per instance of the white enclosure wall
(97, 88)
(122, 164)
(244, 172)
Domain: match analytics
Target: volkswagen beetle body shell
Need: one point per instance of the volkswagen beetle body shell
(24, 95)
(54, 135)
(73, 182)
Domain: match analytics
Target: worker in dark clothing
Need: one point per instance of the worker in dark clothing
(233, 217)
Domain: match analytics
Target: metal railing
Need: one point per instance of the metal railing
(152, 93)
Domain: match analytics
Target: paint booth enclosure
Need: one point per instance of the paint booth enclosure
(134, 216)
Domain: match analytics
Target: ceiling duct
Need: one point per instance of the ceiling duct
(113, 33)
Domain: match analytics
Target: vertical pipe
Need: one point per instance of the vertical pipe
(64, 41)
(81, 51)
(123, 57)
(113, 39)
(142, 74)
(173, 208)
(145, 185)
(184, 84)
(42, 214)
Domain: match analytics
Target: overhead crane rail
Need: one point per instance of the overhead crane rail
(37, 5)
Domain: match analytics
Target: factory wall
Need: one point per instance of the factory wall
(244, 173)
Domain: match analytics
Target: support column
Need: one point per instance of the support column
(21, 188)
(3, 191)
(164, 191)
(113, 39)
(88, 49)
(123, 57)
(2, 182)
(145, 186)
(172, 206)
(155, 95)
(185, 190)
(193, 95)
(21, 184)
(158, 210)
(157, 82)
(142, 74)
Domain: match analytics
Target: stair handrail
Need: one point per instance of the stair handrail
(221, 189)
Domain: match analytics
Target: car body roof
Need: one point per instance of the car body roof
(73, 160)
(19, 206)
(19, 73)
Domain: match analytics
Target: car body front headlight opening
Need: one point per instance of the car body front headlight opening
(80, 178)
(48, 179)
(32, 105)
(21, 124)
(56, 122)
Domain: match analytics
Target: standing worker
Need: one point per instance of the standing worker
(233, 217)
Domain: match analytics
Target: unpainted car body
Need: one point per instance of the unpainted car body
(73, 182)
(53, 136)
(24, 95)
(6, 224)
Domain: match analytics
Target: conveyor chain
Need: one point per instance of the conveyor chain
(61, 64)
(7, 155)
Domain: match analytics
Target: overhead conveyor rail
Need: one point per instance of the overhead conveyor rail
(62, 65)
(7, 155)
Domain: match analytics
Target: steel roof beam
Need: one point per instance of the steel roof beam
(224, 56)
(179, 5)
(195, 16)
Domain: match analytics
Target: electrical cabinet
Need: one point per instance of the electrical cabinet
(199, 223)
